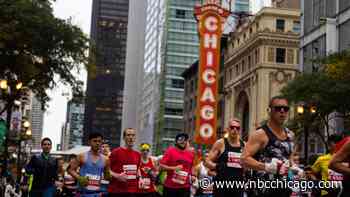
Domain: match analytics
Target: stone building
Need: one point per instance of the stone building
(261, 57)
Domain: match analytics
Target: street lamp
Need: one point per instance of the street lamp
(3, 84)
(10, 91)
(301, 109)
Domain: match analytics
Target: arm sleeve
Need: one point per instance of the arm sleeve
(113, 160)
(166, 158)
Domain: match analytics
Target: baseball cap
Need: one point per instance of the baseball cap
(181, 136)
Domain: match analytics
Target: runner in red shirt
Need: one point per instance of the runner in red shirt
(178, 162)
(124, 163)
(340, 163)
(148, 173)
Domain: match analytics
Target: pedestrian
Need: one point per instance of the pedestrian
(93, 166)
(201, 174)
(44, 169)
(125, 163)
(148, 172)
(340, 163)
(269, 149)
(10, 188)
(320, 167)
(178, 162)
(60, 177)
(106, 151)
(70, 184)
(224, 160)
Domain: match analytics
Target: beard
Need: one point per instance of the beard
(180, 147)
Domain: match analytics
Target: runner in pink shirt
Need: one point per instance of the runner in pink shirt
(178, 162)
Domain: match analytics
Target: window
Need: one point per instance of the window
(180, 14)
(280, 25)
(280, 55)
(296, 26)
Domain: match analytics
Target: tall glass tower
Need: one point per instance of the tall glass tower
(104, 102)
(171, 46)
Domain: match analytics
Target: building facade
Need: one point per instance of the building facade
(325, 30)
(294, 4)
(190, 76)
(75, 121)
(171, 46)
(37, 121)
(261, 57)
(134, 68)
(104, 95)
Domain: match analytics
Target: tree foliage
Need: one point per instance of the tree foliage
(38, 48)
(327, 90)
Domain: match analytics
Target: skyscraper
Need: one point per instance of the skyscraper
(134, 67)
(104, 103)
(37, 121)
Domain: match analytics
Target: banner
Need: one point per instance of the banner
(211, 18)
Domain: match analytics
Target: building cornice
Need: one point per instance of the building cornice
(288, 39)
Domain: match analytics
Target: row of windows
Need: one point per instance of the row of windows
(174, 109)
(173, 59)
(280, 27)
(281, 55)
(175, 83)
(181, 14)
(174, 70)
(172, 94)
(244, 65)
(186, 37)
(182, 25)
(185, 3)
(179, 48)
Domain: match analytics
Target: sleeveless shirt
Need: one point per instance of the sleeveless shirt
(94, 171)
(229, 164)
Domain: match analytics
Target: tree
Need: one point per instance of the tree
(39, 49)
(327, 90)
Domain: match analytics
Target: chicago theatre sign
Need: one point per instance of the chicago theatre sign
(211, 18)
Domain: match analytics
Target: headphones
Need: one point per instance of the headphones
(268, 109)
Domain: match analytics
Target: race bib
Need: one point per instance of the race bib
(234, 160)
(94, 182)
(180, 177)
(144, 183)
(336, 176)
(130, 171)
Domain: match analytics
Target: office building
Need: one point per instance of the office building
(104, 96)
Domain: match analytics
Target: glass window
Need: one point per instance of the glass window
(180, 13)
(280, 55)
(296, 26)
(280, 25)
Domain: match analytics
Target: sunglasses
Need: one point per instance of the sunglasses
(280, 108)
(235, 127)
(145, 150)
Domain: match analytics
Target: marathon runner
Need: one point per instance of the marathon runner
(93, 166)
(341, 164)
(125, 163)
(224, 160)
(269, 149)
(178, 162)
(148, 172)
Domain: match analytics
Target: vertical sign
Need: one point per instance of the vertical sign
(211, 18)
